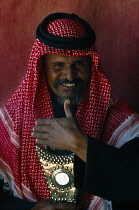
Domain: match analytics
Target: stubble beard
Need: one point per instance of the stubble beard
(74, 99)
(74, 95)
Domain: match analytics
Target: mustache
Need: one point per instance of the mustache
(77, 81)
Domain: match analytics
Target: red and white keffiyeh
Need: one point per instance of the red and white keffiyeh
(19, 163)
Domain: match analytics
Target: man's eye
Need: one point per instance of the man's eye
(80, 63)
(58, 65)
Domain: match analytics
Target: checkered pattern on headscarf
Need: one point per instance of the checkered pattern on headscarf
(57, 27)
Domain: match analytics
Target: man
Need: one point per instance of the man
(64, 70)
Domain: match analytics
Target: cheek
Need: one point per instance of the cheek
(85, 76)
(51, 76)
(49, 79)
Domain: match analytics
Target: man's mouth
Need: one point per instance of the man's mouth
(76, 83)
(68, 84)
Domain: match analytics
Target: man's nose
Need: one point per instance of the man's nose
(70, 73)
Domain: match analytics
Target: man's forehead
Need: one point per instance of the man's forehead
(64, 58)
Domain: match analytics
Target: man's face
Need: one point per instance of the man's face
(67, 76)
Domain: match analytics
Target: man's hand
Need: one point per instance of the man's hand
(48, 205)
(62, 133)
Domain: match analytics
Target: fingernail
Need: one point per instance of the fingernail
(68, 101)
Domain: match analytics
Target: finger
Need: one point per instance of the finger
(43, 142)
(40, 128)
(43, 121)
(39, 135)
(67, 108)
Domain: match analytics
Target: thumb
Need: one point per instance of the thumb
(70, 113)
(67, 108)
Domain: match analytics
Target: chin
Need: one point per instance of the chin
(74, 99)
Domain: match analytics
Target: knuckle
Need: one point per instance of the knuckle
(34, 129)
(38, 121)
(37, 128)
(41, 121)
(40, 128)
(44, 121)
(42, 135)
(39, 141)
